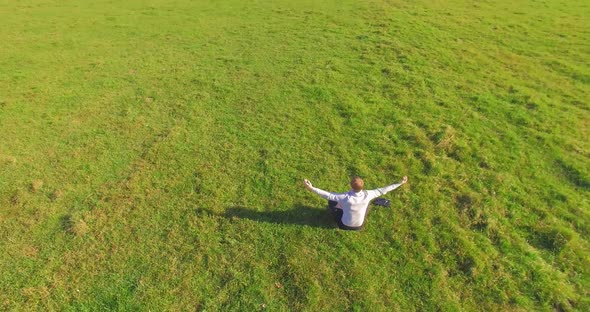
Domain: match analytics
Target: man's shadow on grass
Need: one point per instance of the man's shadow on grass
(298, 215)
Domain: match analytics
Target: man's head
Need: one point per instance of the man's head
(357, 184)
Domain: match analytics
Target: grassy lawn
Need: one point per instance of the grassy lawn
(152, 154)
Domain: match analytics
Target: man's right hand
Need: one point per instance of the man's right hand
(404, 179)
(308, 185)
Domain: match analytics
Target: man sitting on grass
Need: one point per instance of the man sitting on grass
(350, 208)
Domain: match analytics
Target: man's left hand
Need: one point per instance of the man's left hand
(308, 185)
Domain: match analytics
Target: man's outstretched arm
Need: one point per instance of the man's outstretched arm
(389, 188)
(322, 193)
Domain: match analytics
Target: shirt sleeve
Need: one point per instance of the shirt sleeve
(384, 190)
(328, 195)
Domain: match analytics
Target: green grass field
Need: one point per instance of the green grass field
(152, 155)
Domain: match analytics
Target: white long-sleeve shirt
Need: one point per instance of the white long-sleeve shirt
(354, 204)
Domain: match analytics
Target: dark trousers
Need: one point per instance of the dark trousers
(337, 214)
